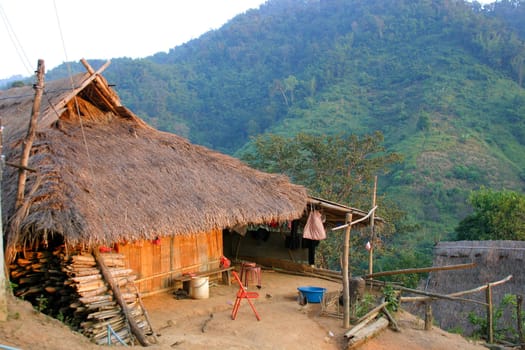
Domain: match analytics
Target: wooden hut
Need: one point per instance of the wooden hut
(100, 179)
(494, 261)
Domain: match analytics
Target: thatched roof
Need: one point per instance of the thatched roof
(494, 261)
(108, 177)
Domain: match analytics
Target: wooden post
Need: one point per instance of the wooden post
(372, 233)
(28, 142)
(490, 320)
(519, 301)
(346, 273)
(3, 271)
(428, 316)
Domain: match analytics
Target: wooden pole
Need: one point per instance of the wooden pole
(428, 315)
(135, 329)
(421, 270)
(346, 272)
(372, 233)
(456, 294)
(31, 131)
(3, 271)
(490, 320)
(519, 301)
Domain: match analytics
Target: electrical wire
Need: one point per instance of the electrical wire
(70, 74)
(16, 43)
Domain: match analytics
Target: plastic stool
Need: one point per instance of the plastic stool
(251, 272)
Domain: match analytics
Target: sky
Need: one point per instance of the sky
(60, 31)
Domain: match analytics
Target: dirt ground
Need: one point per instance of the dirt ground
(207, 324)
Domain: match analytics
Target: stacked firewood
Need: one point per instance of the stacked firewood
(72, 289)
(96, 304)
(37, 278)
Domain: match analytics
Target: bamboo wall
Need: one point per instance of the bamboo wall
(156, 263)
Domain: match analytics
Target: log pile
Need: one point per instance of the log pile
(38, 278)
(96, 303)
(72, 288)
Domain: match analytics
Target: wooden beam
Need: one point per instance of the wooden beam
(61, 104)
(107, 94)
(368, 332)
(457, 294)
(18, 166)
(421, 270)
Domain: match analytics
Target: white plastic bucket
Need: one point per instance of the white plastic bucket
(199, 288)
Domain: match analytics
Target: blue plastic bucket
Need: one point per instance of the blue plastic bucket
(312, 294)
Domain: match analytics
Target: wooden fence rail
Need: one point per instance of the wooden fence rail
(456, 297)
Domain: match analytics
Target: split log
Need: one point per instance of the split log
(81, 271)
(104, 314)
(372, 312)
(89, 286)
(87, 278)
(94, 292)
(367, 332)
(94, 299)
(101, 304)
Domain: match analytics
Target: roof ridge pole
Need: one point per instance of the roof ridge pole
(31, 131)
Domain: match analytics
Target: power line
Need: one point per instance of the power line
(16, 43)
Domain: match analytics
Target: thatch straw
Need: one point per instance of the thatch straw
(109, 177)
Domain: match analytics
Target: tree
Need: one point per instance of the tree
(335, 167)
(497, 215)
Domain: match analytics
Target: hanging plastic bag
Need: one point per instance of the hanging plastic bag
(314, 228)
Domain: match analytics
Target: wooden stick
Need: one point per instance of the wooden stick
(421, 270)
(203, 329)
(145, 312)
(393, 323)
(428, 316)
(470, 291)
(368, 332)
(137, 332)
(31, 131)
(364, 320)
(490, 318)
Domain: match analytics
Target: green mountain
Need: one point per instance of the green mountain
(441, 79)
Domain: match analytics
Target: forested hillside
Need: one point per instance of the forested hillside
(441, 79)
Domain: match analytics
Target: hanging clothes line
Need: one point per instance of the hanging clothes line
(356, 221)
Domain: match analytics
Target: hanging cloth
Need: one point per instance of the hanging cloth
(314, 228)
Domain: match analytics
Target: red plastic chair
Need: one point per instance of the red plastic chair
(242, 293)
